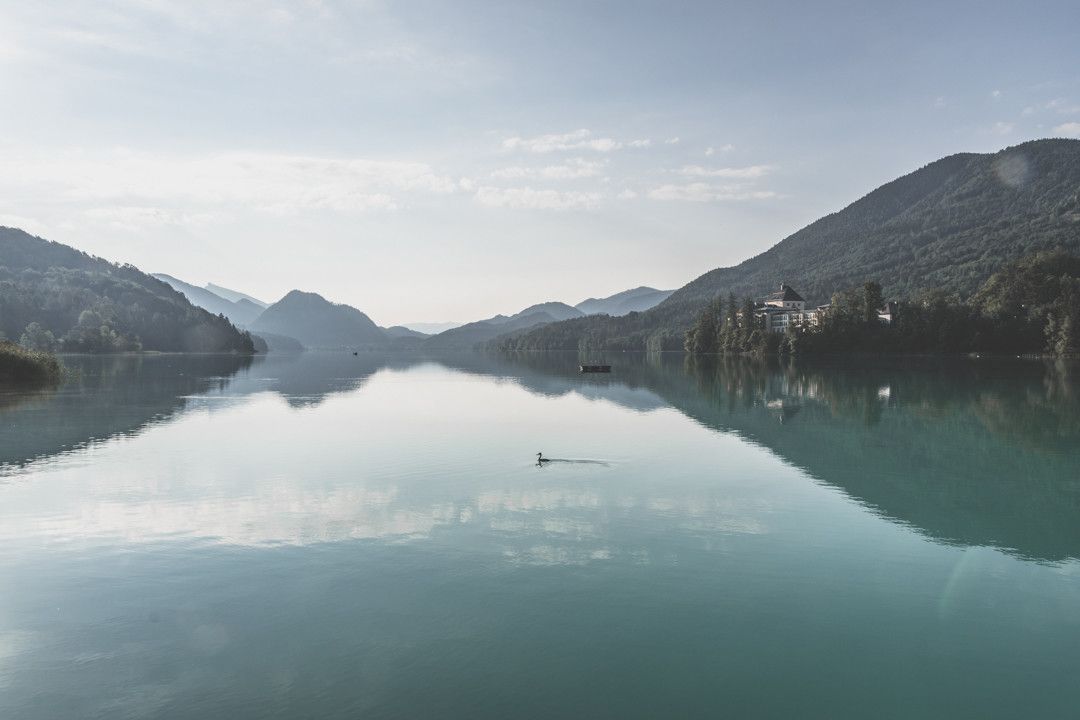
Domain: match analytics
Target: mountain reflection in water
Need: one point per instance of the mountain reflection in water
(975, 453)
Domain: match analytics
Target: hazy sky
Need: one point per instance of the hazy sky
(450, 160)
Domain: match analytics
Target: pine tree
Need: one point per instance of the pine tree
(749, 322)
(872, 301)
(718, 332)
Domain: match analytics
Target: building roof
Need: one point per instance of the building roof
(785, 294)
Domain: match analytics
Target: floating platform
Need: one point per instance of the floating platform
(595, 368)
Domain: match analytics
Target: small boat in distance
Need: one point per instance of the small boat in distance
(595, 368)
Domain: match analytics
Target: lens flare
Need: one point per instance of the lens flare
(1013, 169)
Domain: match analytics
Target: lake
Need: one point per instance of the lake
(337, 536)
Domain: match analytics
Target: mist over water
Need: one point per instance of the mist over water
(329, 535)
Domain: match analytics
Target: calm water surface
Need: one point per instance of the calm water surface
(339, 536)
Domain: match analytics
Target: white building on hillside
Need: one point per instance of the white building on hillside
(786, 308)
(783, 309)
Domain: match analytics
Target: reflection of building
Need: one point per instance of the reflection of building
(887, 314)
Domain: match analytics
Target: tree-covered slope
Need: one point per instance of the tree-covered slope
(319, 323)
(82, 303)
(947, 226)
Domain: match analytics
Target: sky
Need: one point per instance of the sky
(437, 161)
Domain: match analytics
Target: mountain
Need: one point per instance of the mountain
(234, 295)
(279, 343)
(556, 310)
(400, 331)
(481, 331)
(86, 304)
(471, 334)
(628, 301)
(947, 226)
(242, 312)
(318, 323)
(432, 328)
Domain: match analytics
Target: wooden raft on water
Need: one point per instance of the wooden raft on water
(595, 368)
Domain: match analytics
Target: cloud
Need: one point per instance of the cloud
(572, 169)
(1069, 129)
(1062, 106)
(576, 168)
(513, 172)
(996, 94)
(29, 224)
(530, 199)
(577, 140)
(1003, 128)
(122, 185)
(747, 173)
(644, 143)
(627, 194)
(672, 141)
(136, 218)
(705, 192)
(710, 151)
(1059, 106)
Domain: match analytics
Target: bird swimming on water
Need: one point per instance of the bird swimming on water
(541, 459)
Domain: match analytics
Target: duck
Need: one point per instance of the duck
(541, 459)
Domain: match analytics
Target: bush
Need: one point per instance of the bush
(20, 366)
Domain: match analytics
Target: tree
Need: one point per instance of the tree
(749, 323)
(705, 337)
(872, 301)
(1063, 320)
(690, 342)
(790, 342)
(37, 338)
(729, 332)
(718, 331)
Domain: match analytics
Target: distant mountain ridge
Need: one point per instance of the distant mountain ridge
(636, 300)
(471, 334)
(400, 331)
(556, 310)
(431, 328)
(484, 331)
(245, 312)
(234, 295)
(947, 226)
(298, 320)
(241, 312)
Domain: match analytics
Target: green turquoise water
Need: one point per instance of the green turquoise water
(339, 536)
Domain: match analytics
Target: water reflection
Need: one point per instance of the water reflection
(341, 536)
(107, 396)
(978, 454)
(968, 453)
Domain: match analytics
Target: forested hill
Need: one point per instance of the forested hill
(62, 299)
(318, 323)
(947, 226)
